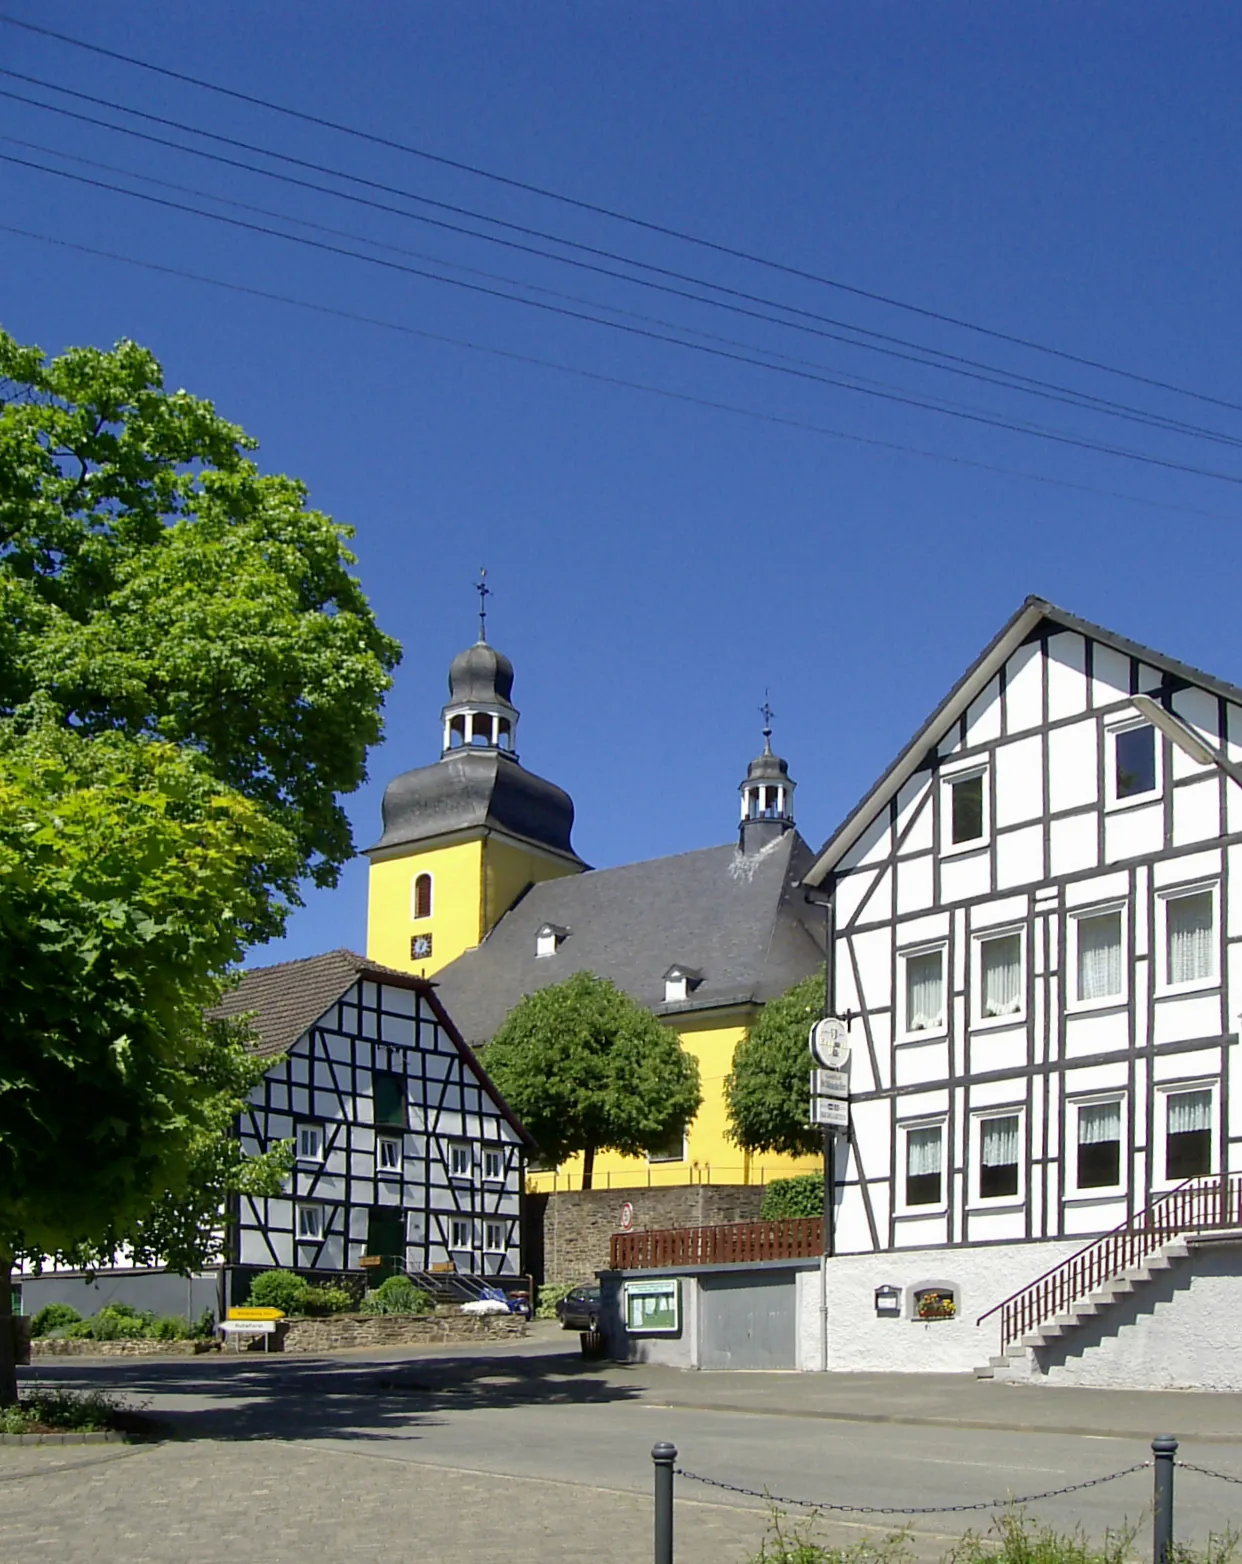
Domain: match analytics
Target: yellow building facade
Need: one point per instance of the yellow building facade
(475, 882)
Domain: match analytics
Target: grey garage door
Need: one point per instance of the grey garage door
(748, 1323)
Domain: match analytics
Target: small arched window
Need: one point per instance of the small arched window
(422, 896)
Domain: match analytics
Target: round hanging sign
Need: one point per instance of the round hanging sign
(830, 1043)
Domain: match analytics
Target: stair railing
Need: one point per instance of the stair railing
(1196, 1206)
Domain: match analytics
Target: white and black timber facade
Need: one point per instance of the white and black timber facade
(1038, 943)
(404, 1149)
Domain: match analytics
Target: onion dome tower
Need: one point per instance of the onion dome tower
(469, 834)
(767, 795)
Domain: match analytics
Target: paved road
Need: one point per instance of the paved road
(525, 1453)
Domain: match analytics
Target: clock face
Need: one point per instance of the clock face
(420, 947)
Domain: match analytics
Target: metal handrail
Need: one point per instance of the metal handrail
(1196, 1206)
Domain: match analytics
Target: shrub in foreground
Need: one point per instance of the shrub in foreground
(396, 1295)
(60, 1411)
(283, 1290)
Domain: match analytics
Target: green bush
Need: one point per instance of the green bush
(786, 1198)
(204, 1327)
(396, 1295)
(53, 1316)
(327, 1300)
(171, 1327)
(550, 1294)
(81, 1412)
(282, 1290)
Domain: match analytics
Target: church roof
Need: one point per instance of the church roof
(472, 789)
(740, 920)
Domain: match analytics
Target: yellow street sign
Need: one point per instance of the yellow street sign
(256, 1314)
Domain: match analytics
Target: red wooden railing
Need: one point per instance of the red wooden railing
(1194, 1207)
(734, 1243)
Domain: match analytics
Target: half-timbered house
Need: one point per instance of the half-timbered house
(1037, 945)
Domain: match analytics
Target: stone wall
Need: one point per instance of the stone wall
(63, 1347)
(578, 1224)
(398, 1330)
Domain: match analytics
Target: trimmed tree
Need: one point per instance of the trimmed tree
(768, 1090)
(189, 676)
(586, 1068)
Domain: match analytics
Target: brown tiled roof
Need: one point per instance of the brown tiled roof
(286, 999)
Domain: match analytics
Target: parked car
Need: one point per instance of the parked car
(580, 1309)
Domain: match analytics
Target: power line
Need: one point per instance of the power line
(1037, 432)
(955, 364)
(600, 378)
(602, 211)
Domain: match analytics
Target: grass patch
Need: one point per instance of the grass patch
(43, 1411)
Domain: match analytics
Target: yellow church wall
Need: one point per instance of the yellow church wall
(455, 924)
(508, 869)
(711, 1157)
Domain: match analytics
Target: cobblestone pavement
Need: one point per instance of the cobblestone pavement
(201, 1502)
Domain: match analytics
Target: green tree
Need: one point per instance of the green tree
(189, 676)
(768, 1091)
(586, 1068)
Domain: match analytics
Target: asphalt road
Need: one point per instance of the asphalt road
(577, 1440)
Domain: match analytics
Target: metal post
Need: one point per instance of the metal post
(1164, 1449)
(830, 1009)
(664, 1455)
(830, 1193)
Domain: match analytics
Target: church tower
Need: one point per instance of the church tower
(466, 836)
(767, 795)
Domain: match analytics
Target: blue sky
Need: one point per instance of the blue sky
(1061, 173)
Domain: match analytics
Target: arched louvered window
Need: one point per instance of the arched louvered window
(422, 896)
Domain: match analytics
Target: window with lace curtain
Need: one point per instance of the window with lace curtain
(999, 1153)
(924, 990)
(924, 1184)
(999, 989)
(1190, 938)
(1098, 1163)
(1099, 975)
(1188, 1133)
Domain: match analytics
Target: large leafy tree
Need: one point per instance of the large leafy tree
(768, 1089)
(586, 1068)
(189, 677)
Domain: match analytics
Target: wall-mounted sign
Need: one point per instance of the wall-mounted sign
(627, 1216)
(652, 1307)
(888, 1302)
(830, 1042)
(830, 1113)
(830, 1083)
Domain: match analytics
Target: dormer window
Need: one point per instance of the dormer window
(548, 939)
(679, 983)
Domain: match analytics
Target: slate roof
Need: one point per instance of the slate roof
(287, 998)
(741, 920)
(1022, 625)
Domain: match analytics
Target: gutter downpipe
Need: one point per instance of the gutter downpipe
(830, 1143)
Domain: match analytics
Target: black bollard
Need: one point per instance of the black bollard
(664, 1455)
(1164, 1449)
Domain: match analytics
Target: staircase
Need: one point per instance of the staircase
(1108, 1269)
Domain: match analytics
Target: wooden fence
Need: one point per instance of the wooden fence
(733, 1243)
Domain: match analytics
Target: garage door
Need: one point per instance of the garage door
(748, 1324)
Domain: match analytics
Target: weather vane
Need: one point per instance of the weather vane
(484, 591)
(766, 712)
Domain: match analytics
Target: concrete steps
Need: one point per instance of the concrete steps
(1124, 1284)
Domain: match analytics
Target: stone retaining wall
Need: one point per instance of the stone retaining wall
(398, 1330)
(578, 1224)
(75, 1347)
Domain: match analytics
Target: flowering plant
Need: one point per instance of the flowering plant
(936, 1305)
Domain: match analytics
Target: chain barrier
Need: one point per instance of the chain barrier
(930, 1509)
(1206, 1471)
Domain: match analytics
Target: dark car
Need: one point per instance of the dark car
(580, 1309)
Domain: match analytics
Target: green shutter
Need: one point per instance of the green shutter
(389, 1099)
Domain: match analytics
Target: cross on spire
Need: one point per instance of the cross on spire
(484, 591)
(766, 712)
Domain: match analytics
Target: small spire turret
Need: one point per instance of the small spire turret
(767, 793)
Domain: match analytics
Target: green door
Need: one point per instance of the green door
(386, 1238)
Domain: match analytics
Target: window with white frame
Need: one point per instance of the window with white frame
(964, 811)
(924, 1181)
(461, 1159)
(1098, 970)
(310, 1221)
(310, 1142)
(1098, 1159)
(999, 989)
(388, 1154)
(494, 1237)
(999, 1156)
(924, 990)
(1188, 1132)
(1189, 937)
(1132, 762)
(461, 1233)
(493, 1163)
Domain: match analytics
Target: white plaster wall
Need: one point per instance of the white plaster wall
(680, 1351)
(1180, 1331)
(859, 1341)
(809, 1343)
